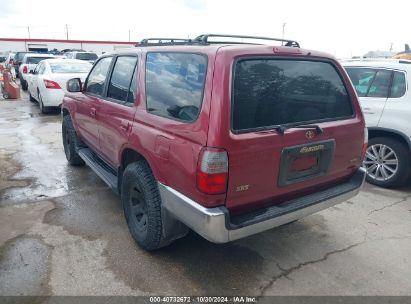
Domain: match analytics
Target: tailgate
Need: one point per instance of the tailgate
(267, 166)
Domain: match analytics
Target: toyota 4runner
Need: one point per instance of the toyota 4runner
(222, 137)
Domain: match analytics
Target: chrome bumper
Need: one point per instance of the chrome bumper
(214, 223)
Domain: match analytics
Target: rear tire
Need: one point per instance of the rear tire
(71, 142)
(43, 109)
(388, 162)
(142, 206)
(23, 84)
(31, 98)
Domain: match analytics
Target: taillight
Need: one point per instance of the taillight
(51, 84)
(365, 144)
(212, 171)
(25, 69)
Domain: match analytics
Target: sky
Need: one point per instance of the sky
(342, 28)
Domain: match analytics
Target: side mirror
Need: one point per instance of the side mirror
(74, 85)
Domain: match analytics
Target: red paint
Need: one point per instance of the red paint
(173, 149)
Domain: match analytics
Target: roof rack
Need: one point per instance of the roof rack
(204, 39)
(164, 41)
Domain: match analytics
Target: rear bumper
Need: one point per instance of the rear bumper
(215, 224)
(52, 97)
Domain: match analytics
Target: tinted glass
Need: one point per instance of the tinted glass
(380, 84)
(273, 92)
(121, 78)
(175, 84)
(70, 67)
(86, 56)
(97, 77)
(370, 82)
(399, 85)
(35, 60)
(133, 88)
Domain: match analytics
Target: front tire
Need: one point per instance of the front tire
(142, 205)
(387, 162)
(71, 142)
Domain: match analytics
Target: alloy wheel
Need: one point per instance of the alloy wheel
(381, 162)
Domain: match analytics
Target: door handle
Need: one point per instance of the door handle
(124, 125)
(93, 112)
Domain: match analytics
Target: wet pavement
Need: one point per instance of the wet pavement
(62, 232)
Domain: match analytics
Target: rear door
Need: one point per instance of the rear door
(268, 165)
(397, 111)
(117, 110)
(372, 86)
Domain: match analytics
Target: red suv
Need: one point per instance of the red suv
(225, 138)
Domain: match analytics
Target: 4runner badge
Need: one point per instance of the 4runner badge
(311, 149)
(310, 134)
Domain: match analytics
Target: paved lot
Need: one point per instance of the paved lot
(62, 232)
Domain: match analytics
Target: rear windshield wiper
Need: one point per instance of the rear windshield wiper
(317, 128)
(281, 128)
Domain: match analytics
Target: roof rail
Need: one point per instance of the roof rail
(204, 39)
(164, 41)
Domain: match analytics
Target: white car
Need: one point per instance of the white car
(47, 83)
(383, 88)
(30, 61)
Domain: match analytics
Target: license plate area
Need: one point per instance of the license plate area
(304, 162)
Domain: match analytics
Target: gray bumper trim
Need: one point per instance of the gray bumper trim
(212, 223)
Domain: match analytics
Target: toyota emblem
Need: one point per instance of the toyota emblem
(309, 134)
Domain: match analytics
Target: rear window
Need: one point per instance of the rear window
(64, 68)
(19, 56)
(86, 56)
(270, 92)
(175, 84)
(36, 60)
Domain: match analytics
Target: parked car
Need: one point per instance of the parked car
(226, 139)
(87, 56)
(29, 63)
(382, 87)
(47, 82)
(18, 59)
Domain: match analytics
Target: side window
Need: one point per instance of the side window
(97, 77)
(380, 85)
(370, 82)
(119, 84)
(175, 84)
(132, 94)
(399, 85)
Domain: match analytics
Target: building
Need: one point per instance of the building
(45, 45)
(379, 54)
